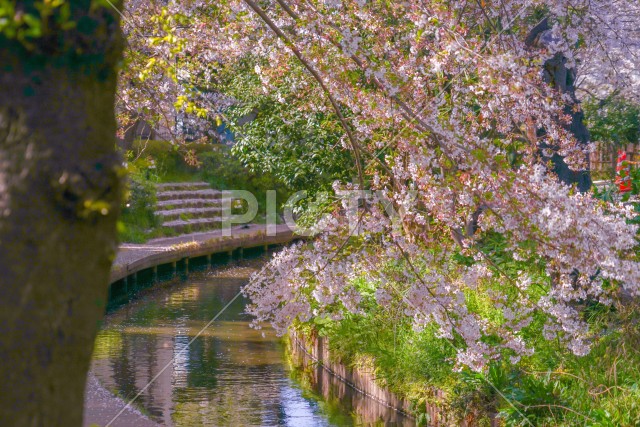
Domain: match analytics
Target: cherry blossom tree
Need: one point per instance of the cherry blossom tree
(463, 121)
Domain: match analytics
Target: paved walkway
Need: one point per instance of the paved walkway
(135, 257)
(130, 252)
(100, 406)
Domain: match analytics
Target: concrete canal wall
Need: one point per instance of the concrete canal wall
(308, 351)
(139, 265)
(313, 352)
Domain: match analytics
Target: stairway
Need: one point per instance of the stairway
(185, 207)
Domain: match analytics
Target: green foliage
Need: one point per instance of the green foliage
(301, 150)
(554, 388)
(309, 210)
(607, 193)
(33, 19)
(224, 170)
(73, 34)
(138, 221)
(613, 121)
(162, 161)
(300, 147)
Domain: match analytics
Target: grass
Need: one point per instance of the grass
(552, 387)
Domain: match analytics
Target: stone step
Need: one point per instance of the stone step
(175, 186)
(191, 225)
(208, 194)
(166, 205)
(173, 214)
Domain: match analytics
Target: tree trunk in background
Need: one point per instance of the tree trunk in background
(59, 200)
(562, 78)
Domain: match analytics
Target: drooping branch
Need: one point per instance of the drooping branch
(316, 75)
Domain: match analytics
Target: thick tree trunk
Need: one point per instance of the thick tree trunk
(561, 77)
(59, 199)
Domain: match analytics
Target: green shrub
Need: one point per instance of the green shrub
(223, 170)
(138, 222)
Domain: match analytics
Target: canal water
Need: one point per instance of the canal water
(230, 375)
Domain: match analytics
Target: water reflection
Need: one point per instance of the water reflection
(338, 397)
(231, 375)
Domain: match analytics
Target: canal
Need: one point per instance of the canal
(230, 375)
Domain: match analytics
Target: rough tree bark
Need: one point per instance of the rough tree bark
(59, 199)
